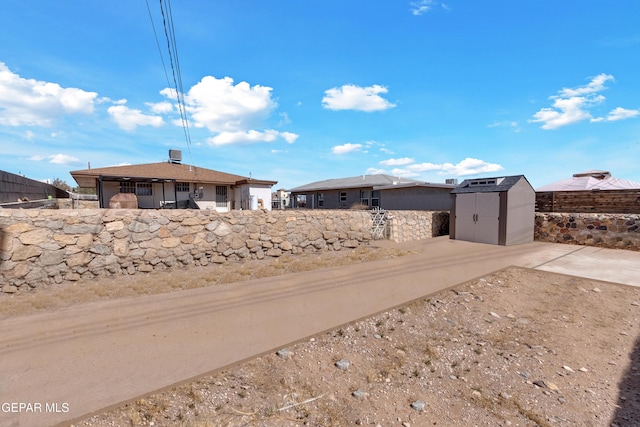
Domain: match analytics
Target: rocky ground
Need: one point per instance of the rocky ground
(516, 348)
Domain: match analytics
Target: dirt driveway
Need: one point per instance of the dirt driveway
(95, 355)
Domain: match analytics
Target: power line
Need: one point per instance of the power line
(172, 49)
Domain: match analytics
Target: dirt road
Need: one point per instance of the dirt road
(79, 360)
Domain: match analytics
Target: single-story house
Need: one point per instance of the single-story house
(175, 185)
(373, 191)
(591, 180)
(593, 191)
(280, 199)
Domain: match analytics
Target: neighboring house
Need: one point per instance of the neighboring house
(591, 180)
(280, 199)
(175, 185)
(373, 191)
(593, 191)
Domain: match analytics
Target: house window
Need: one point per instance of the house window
(343, 196)
(144, 189)
(221, 196)
(375, 199)
(128, 187)
(364, 197)
(320, 200)
(182, 187)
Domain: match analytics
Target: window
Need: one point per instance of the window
(144, 189)
(375, 199)
(343, 196)
(128, 187)
(320, 200)
(221, 196)
(182, 187)
(364, 197)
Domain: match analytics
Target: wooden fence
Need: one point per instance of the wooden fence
(603, 201)
(15, 187)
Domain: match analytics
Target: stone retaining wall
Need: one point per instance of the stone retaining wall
(406, 226)
(39, 247)
(606, 230)
(50, 246)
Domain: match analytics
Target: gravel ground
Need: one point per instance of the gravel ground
(516, 348)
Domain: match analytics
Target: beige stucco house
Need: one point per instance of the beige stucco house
(175, 185)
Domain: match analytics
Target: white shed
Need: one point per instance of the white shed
(498, 211)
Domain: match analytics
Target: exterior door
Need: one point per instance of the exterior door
(465, 216)
(487, 218)
(477, 217)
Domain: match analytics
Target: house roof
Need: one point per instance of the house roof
(488, 185)
(377, 182)
(591, 180)
(161, 171)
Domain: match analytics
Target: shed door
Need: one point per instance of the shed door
(477, 217)
(487, 218)
(465, 215)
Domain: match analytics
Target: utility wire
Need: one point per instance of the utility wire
(175, 66)
(155, 34)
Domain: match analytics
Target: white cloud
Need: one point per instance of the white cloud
(351, 97)
(565, 112)
(375, 171)
(618, 114)
(398, 162)
(345, 148)
(422, 6)
(128, 119)
(595, 85)
(404, 173)
(36, 103)
(160, 107)
(289, 137)
(572, 105)
(221, 106)
(515, 126)
(62, 159)
(58, 159)
(252, 136)
(467, 166)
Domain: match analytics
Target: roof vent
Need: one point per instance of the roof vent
(175, 156)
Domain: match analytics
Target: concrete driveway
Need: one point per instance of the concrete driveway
(64, 365)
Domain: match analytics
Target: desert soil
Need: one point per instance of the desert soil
(518, 347)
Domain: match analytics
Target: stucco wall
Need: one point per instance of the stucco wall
(39, 247)
(416, 198)
(604, 230)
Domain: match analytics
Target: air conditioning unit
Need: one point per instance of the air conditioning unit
(451, 181)
(175, 156)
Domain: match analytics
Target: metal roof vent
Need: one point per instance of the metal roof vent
(175, 156)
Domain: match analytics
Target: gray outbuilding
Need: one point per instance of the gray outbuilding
(498, 211)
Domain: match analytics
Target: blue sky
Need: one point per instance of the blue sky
(300, 91)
